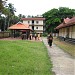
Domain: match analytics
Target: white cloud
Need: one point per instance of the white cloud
(35, 7)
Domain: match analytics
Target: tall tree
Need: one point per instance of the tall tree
(55, 16)
(2, 4)
(21, 16)
(12, 10)
(9, 13)
(14, 20)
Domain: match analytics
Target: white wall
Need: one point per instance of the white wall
(73, 32)
(26, 22)
(39, 27)
(60, 32)
(63, 32)
(70, 32)
(30, 27)
(39, 22)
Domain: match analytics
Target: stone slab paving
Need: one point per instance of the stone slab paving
(63, 63)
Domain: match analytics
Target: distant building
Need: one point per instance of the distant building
(36, 24)
(62, 28)
(20, 28)
(67, 29)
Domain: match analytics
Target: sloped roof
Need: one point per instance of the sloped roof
(67, 20)
(64, 24)
(19, 26)
(71, 22)
(33, 19)
(59, 26)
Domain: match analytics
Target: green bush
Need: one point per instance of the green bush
(45, 34)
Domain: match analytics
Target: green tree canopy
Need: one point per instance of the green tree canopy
(55, 16)
(2, 4)
(8, 11)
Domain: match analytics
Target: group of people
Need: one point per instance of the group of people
(50, 39)
(34, 36)
(37, 37)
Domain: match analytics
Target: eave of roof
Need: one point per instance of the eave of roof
(71, 22)
(33, 19)
(68, 23)
(19, 26)
(60, 26)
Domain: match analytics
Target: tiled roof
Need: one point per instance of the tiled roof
(19, 26)
(60, 26)
(71, 22)
(33, 19)
(68, 22)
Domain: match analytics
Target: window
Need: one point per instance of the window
(28, 21)
(32, 27)
(36, 27)
(32, 21)
(37, 22)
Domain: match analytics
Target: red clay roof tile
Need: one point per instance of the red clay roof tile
(67, 22)
(19, 26)
(71, 22)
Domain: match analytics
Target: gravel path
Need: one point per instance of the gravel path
(63, 63)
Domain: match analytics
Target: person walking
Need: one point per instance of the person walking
(50, 40)
(39, 36)
(35, 36)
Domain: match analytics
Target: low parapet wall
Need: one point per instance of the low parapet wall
(4, 34)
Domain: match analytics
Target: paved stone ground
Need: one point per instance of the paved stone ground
(63, 63)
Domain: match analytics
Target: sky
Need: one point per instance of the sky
(38, 7)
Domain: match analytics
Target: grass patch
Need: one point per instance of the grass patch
(69, 48)
(23, 57)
